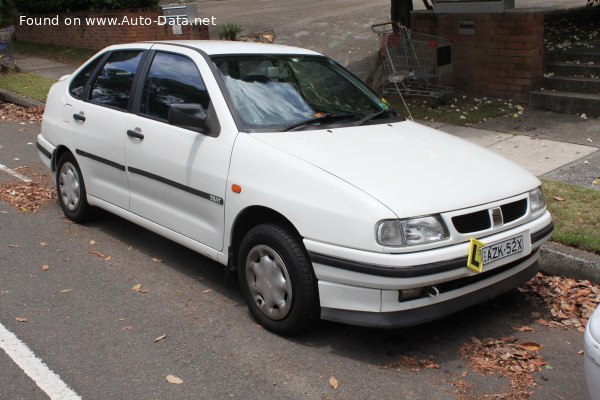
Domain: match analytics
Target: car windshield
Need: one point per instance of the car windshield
(284, 92)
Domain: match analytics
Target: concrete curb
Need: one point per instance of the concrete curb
(11, 97)
(561, 260)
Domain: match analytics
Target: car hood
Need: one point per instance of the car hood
(412, 169)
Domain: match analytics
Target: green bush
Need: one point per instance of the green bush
(57, 6)
(229, 31)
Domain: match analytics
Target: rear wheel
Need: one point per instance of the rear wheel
(71, 189)
(277, 280)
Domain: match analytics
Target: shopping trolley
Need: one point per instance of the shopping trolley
(413, 60)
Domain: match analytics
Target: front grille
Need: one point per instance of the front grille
(480, 220)
(477, 221)
(513, 211)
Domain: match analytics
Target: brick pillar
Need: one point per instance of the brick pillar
(503, 57)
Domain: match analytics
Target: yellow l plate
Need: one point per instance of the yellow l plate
(475, 262)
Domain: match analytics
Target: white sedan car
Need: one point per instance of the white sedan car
(280, 164)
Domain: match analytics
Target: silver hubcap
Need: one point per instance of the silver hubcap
(69, 187)
(269, 282)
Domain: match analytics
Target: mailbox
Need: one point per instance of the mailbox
(179, 12)
(472, 6)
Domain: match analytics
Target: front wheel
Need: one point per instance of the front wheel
(277, 280)
(71, 189)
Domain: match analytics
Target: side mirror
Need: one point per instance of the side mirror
(189, 116)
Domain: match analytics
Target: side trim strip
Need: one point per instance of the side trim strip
(43, 150)
(380, 270)
(539, 235)
(204, 195)
(100, 159)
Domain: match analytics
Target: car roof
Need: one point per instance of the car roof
(223, 47)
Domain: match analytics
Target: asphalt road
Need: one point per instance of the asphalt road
(89, 327)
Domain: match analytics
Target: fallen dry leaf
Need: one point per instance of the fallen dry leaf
(508, 358)
(28, 196)
(174, 380)
(21, 319)
(530, 346)
(45, 267)
(523, 328)
(557, 198)
(334, 383)
(570, 302)
(14, 113)
(138, 288)
(161, 337)
(101, 255)
(431, 365)
(411, 363)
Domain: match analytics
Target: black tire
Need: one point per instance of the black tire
(277, 280)
(70, 189)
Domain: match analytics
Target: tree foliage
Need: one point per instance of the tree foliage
(57, 6)
(6, 12)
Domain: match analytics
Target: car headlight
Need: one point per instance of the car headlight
(411, 231)
(537, 201)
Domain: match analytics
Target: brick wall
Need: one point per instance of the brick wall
(504, 58)
(99, 36)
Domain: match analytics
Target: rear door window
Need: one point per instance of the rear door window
(112, 86)
(78, 83)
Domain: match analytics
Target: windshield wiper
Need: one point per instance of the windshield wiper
(328, 118)
(369, 117)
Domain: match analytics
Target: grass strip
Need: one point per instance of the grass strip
(68, 55)
(457, 109)
(576, 214)
(29, 85)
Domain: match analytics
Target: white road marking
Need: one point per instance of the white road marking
(14, 173)
(35, 368)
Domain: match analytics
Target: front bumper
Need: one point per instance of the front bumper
(367, 293)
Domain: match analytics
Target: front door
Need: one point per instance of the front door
(177, 176)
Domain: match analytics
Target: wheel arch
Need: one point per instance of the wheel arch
(247, 219)
(58, 153)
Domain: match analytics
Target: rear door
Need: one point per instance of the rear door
(178, 176)
(99, 126)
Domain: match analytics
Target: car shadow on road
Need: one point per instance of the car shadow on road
(439, 340)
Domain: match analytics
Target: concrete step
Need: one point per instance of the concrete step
(565, 102)
(561, 68)
(572, 84)
(581, 56)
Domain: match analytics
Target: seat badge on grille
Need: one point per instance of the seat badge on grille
(497, 218)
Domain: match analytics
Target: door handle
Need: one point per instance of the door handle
(79, 117)
(135, 134)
